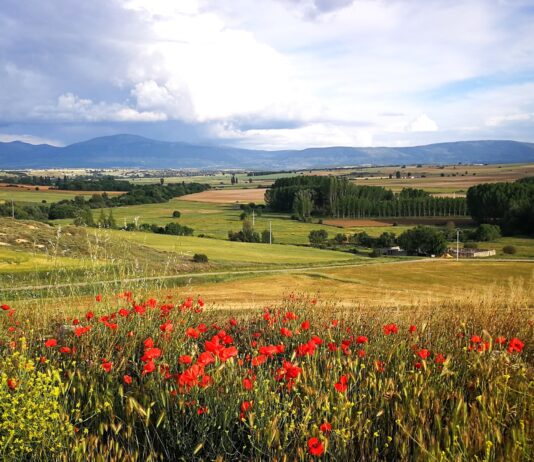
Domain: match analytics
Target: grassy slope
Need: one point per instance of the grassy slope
(236, 252)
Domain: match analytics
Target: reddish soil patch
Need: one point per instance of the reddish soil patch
(29, 187)
(227, 196)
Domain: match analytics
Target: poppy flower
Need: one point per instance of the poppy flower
(341, 385)
(412, 329)
(185, 359)
(149, 367)
(315, 447)
(380, 366)
(286, 332)
(107, 365)
(5, 307)
(326, 428)
(12, 384)
(500, 340)
(390, 329)
(305, 325)
(362, 339)
(151, 353)
(476, 339)
(166, 327)
(50, 343)
(65, 349)
(192, 332)
(127, 379)
(226, 353)
(423, 353)
(89, 315)
(439, 359)
(258, 360)
(515, 345)
(248, 383)
(98, 298)
(205, 358)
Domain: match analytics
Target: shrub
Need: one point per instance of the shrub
(486, 232)
(176, 214)
(509, 249)
(200, 258)
(318, 237)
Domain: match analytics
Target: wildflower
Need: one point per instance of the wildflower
(361, 339)
(286, 332)
(127, 379)
(65, 349)
(205, 358)
(423, 353)
(227, 353)
(166, 327)
(192, 332)
(5, 307)
(233, 322)
(341, 385)
(245, 407)
(151, 353)
(12, 384)
(258, 360)
(500, 340)
(202, 410)
(50, 343)
(380, 366)
(315, 447)
(248, 383)
(287, 371)
(439, 359)
(89, 315)
(98, 298)
(107, 365)
(205, 381)
(149, 367)
(361, 353)
(326, 428)
(476, 339)
(412, 329)
(305, 325)
(515, 345)
(390, 329)
(148, 343)
(123, 312)
(185, 359)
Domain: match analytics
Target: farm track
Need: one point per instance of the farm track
(303, 269)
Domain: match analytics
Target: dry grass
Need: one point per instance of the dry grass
(228, 196)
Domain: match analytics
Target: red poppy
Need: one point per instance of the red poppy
(362, 339)
(127, 379)
(89, 315)
(341, 385)
(149, 367)
(12, 384)
(65, 349)
(258, 360)
(5, 307)
(166, 327)
(206, 381)
(205, 358)
(51, 343)
(315, 447)
(148, 343)
(185, 359)
(412, 329)
(305, 325)
(439, 359)
(380, 366)
(98, 298)
(476, 339)
(287, 371)
(326, 428)
(286, 332)
(192, 332)
(151, 353)
(515, 345)
(248, 383)
(227, 353)
(107, 365)
(390, 329)
(500, 340)
(423, 353)
(361, 353)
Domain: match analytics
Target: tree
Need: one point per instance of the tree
(303, 204)
(423, 240)
(340, 238)
(102, 220)
(112, 224)
(318, 237)
(397, 174)
(266, 237)
(486, 232)
(176, 214)
(386, 240)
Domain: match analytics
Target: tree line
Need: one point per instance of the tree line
(509, 205)
(339, 198)
(79, 183)
(76, 207)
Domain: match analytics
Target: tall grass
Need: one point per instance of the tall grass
(168, 379)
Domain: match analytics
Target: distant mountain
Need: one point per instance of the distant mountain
(138, 152)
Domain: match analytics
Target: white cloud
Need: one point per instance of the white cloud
(30, 139)
(422, 123)
(313, 135)
(495, 121)
(72, 107)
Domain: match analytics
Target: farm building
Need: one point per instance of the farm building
(394, 251)
(472, 253)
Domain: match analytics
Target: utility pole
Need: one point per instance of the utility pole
(270, 232)
(457, 243)
(253, 218)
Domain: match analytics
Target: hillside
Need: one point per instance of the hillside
(136, 151)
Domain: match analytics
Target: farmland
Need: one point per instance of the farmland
(297, 352)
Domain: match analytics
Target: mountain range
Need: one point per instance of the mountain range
(131, 151)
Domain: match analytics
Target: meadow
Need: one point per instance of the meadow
(128, 376)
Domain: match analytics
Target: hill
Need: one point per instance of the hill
(131, 151)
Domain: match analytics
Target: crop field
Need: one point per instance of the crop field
(229, 196)
(26, 195)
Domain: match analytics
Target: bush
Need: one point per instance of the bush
(423, 240)
(266, 237)
(486, 232)
(317, 237)
(509, 249)
(176, 214)
(200, 258)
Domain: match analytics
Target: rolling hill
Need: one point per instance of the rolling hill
(136, 151)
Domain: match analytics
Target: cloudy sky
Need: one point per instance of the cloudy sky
(267, 74)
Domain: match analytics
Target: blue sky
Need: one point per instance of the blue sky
(270, 74)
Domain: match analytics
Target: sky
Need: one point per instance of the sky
(267, 74)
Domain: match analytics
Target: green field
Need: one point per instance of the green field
(236, 253)
(18, 195)
(24, 261)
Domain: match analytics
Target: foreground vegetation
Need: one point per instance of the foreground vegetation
(129, 377)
